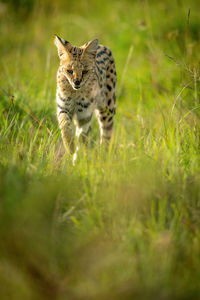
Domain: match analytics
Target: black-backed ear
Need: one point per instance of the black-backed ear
(63, 47)
(90, 48)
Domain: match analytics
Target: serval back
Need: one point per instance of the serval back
(86, 83)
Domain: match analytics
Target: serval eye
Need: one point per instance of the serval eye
(85, 72)
(70, 71)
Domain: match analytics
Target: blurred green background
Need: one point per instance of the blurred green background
(119, 225)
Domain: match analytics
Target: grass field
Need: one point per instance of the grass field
(121, 225)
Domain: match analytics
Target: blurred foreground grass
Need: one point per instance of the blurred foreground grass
(125, 225)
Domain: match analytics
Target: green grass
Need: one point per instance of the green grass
(119, 225)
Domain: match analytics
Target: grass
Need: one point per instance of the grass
(119, 225)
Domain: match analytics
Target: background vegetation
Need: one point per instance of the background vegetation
(125, 225)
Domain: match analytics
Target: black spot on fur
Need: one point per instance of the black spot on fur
(103, 118)
(109, 87)
(64, 99)
(102, 111)
(99, 61)
(100, 53)
(85, 105)
(112, 111)
(61, 107)
(64, 111)
(109, 101)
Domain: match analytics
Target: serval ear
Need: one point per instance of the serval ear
(90, 48)
(64, 47)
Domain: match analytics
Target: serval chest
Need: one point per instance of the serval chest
(86, 83)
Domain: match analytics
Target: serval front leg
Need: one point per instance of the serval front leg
(106, 121)
(83, 126)
(65, 124)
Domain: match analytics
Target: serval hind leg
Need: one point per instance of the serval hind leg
(106, 114)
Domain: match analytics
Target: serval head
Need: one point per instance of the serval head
(76, 63)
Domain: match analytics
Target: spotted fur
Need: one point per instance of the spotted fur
(86, 83)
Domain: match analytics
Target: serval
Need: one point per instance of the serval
(86, 83)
